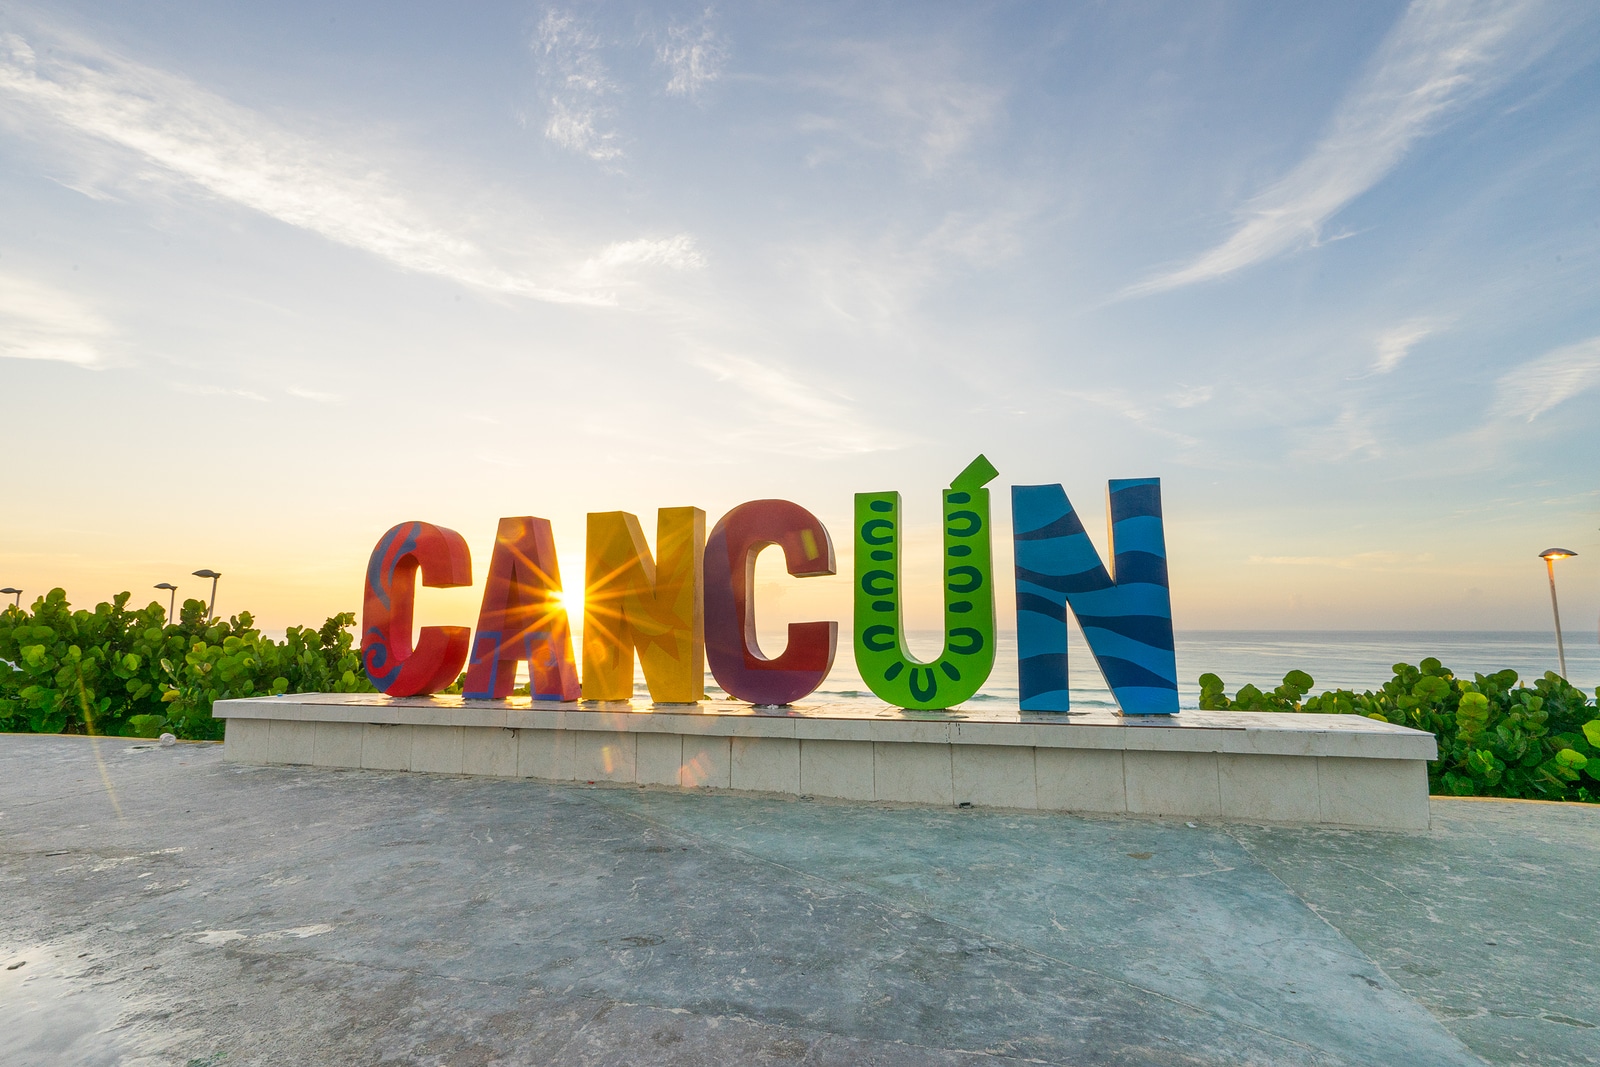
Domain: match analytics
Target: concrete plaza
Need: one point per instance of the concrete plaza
(163, 907)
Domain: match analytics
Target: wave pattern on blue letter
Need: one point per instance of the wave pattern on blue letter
(1127, 621)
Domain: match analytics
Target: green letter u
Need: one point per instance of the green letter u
(968, 656)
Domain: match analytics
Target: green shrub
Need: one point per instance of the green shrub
(131, 673)
(1496, 737)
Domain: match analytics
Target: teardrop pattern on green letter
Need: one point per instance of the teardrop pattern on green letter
(968, 656)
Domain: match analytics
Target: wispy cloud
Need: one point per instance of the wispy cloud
(678, 252)
(313, 395)
(1382, 561)
(1539, 385)
(176, 131)
(1395, 344)
(1191, 396)
(1440, 53)
(911, 101)
(1350, 434)
(1144, 411)
(578, 86)
(693, 54)
(39, 322)
(877, 283)
(217, 390)
(796, 416)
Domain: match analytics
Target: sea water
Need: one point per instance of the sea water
(1335, 659)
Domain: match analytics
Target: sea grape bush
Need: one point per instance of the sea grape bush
(1496, 738)
(128, 672)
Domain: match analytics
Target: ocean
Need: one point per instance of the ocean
(1336, 659)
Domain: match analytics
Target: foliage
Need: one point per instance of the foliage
(1496, 737)
(131, 673)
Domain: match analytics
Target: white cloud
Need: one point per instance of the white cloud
(693, 55)
(1191, 396)
(907, 100)
(39, 322)
(1439, 54)
(1143, 410)
(1350, 434)
(677, 252)
(1395, 344)
(218, 390)
(876, 284)
(572, 125)
(1539, 385)
(313, 395)
(1380, 561)
(167, 128)
(793, 416)
(578, 84)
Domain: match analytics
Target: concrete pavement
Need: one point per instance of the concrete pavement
(163, 907)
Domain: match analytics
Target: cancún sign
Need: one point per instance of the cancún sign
(689, 604)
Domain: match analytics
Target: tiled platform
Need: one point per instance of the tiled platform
(1337, 770)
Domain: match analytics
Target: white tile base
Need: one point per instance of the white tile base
(599, 756)
(245, 741)
(1354, 792)
(995, 776)
(385, 747)
(1321, 778)
(766, 765)
(1172, 783)
(912, 774)
(337, 744)
(707, 762)
(545, 754)
(291, 742)
(1270, 788)
(841, 769)
(658, 759)
(1085, 780)
(436, 749)
(489, 751)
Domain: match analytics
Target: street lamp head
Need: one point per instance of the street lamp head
(7, 591)
(207, 574)
(165, 585)
(1557, 553)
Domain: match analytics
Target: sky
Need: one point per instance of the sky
(276, 277)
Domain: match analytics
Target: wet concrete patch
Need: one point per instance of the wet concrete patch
(49, 1013)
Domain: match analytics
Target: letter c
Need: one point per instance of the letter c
(387, 656)
(732, 651)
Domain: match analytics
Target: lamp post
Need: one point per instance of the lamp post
(211, 609)
(1550, 555)
(172, 602)
(7, 591)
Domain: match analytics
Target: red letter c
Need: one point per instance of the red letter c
(386, 653)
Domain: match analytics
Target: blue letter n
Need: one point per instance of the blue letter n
(1127, 622)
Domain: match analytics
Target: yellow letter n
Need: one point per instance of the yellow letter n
(653, 606)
